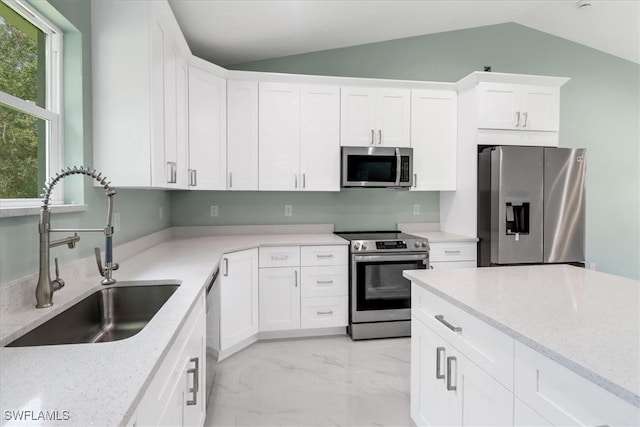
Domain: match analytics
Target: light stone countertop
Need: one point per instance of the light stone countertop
(442, 237)
(585, 320)
(101, 384)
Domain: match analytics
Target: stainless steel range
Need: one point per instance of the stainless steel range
(379, 297)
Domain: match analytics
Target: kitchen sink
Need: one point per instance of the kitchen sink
(109, 314)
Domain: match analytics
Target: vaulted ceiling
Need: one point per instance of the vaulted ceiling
(235, 31)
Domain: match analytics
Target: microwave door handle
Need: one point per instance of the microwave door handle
(398, 167)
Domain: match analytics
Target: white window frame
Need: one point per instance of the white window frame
(52, 113)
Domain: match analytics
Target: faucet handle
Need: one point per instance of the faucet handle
(57, 283)
(99, 261)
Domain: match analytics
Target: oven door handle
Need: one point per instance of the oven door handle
(387, 257)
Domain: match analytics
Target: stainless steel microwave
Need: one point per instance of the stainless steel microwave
(377, 167)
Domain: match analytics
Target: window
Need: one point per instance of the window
(30, 92)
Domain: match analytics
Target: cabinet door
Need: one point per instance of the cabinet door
(239, 297)
(279, 298)
(498, 106)
(523, 416)
(207, 131)
(194, 375)
(485, 400)
(242, 135)
(434, 139)
(357, 116)
(158, 103)
(393, 117)
(279, 134)
(320, 138)
(431, 403)
(182, 125)
(540, 108)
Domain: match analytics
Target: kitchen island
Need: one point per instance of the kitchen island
(543, 345)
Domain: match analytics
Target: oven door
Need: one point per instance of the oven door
(378, 290)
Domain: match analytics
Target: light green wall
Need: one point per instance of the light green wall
(599, 111)
(139, 209)
(353, 209)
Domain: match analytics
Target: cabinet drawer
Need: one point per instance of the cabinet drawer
(279, 256)
(323, 312)
(564, 397)
(489, 348)
(452, 251)
(324, 281)
(323, 255)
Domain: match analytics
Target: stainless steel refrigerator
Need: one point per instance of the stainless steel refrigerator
(531, 205)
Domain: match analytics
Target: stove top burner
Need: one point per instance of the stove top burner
(384, 241)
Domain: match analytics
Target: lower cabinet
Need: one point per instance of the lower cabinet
(238, 299)
(176, 395)
(448, 389)
(303, 287)
(542, 384)
(279, 298)
(448, 255)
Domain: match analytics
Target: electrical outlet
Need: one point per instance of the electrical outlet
(161, 212)
(116, 221)
(214, 211)
(416, 209)
(288, 210)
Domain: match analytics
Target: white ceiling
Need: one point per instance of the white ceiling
(234, 31)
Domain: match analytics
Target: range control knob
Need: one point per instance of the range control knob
(356, 245)
(364, 246)
(417, 243)
(424, 244)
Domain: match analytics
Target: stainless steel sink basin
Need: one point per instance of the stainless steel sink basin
(109, 314)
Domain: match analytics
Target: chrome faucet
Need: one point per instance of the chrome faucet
(46, 287)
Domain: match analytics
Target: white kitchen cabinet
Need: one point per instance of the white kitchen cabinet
(375, 117)
(279, 135)
(448, 389)
(319, 138)
(448, 255)
(207, 128)
(523, 415)
(238, 302)
(137, 50)
(542, 384)
(242, 135)
(518, 107)
(303, 287)
(434, 139)
(279, 298)
(176, 394)
(298, 132)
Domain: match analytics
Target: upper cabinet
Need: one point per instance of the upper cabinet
(434, 139)
(518, 107)
(138, 55)
(375, 117)
(299, 148)
(207, 128)
(242, 135)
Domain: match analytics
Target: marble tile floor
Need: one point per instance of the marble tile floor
(330, 381)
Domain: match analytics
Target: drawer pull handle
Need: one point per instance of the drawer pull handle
(196, 386)
(451, 387)
(440, 318)
(325, 312)
(279, 257)
(324, 282)
(324, 255)
(439, 351)
(456, 252)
